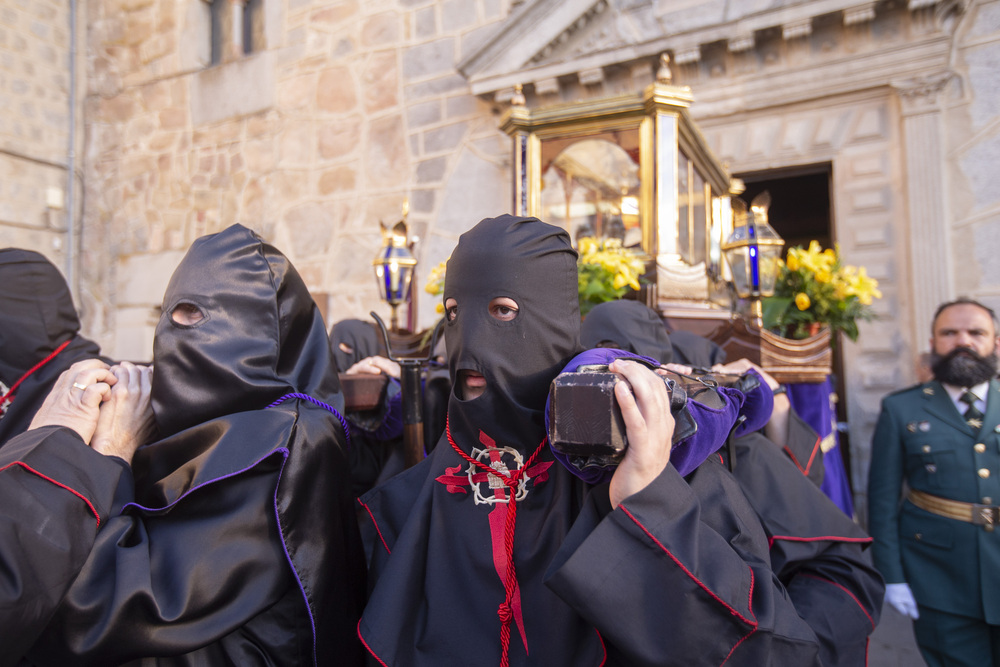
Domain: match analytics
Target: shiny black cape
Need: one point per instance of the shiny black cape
(55, 494)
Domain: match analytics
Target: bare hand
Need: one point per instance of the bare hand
(648, 424)
(126, 421)
(75, 399)
(374, 366)
(678, 369)
(741, 366)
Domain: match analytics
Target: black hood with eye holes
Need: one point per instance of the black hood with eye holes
(633, 326)
(361, 336)
(261, 337)
(534, 264)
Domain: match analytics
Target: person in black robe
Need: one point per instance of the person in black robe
(239, 544)
(39, 336)
(817, 552)
(57, 485)
(489, 552)
(376, 451)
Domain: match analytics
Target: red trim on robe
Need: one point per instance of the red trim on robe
(59, 484)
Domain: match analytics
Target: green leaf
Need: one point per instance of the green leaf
(773, 308)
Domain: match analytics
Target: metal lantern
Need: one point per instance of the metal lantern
(394, 266)
(753, 251)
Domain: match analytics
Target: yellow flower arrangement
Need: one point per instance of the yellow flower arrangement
(814, 288)
(435, 284)
(606, 270)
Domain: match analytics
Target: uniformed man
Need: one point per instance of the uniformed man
(938, 550)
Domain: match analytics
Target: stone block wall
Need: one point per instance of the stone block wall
(34, 125)
(349, 109)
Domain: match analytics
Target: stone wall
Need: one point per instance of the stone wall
(34, 125)
(349, 109)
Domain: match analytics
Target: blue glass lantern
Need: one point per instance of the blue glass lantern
(753, 252)
(394, 266)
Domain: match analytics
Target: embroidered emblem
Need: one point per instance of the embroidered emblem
(493, 456)
(931, 467)
(997, 429)
(912, 427)
(4, 389)
(924, 426)
(929, 391)
(975, 423)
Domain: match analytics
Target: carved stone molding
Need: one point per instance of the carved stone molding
(687, 55)
(922, 94)
(861, 14)
(797, 29)
(741, 43)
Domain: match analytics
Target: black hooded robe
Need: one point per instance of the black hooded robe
(817, 552)
(55, 494)
(240, 544)
(677, 574)
(37, 318)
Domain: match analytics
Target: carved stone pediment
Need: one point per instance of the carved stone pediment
(543, 40)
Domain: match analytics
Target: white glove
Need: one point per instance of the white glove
(901, 598)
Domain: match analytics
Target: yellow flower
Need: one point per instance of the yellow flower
(802, 301)
(439, 308)
(435, 281)
(823, 276)
(793, 260)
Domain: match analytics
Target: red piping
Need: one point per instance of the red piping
(369, 648)
(33, 369)
(59, 484)
(849, 593)
(715, 597)
(375, 523)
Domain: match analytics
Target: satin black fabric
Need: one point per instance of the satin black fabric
(595, 586)
(36, 317)
(630, 325)
(520, 357)
(258, 339)
(239, 544)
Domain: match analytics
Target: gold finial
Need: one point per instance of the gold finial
(663, 74)
(517, 99)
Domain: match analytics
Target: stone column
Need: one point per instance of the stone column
(926, 196)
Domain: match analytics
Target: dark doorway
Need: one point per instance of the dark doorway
(800, 212)
(800, 202)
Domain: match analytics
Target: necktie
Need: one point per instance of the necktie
(973, 416)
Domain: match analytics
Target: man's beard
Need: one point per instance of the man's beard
(963, 367)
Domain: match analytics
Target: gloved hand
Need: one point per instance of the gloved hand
(901, 598)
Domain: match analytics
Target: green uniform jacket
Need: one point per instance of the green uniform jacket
(922, 439)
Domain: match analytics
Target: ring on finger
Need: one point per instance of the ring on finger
(80, 386)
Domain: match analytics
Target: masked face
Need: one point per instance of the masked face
(352, 341)
(238, 330)
(513, 322)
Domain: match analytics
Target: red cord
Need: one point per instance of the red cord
(34, 368)
(511, 481)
